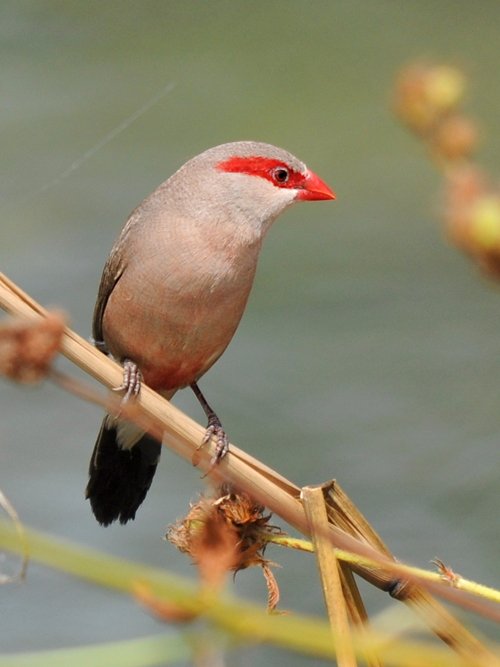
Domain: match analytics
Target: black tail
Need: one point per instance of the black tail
(119, 479)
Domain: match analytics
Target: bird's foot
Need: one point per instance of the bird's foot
(132, 381)
(214, 428)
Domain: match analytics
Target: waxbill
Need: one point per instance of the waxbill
(173, 291)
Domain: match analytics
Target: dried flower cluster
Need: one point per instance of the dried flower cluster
(226, 532)
(28, 347)
(472, 216)
(427, 100)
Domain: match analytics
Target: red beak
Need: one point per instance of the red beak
(314, 189)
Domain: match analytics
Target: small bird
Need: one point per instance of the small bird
(173, 291)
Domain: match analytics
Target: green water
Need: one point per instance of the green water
(370, 349)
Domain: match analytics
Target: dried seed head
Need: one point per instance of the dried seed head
(472, 217)
(456, 138)
(27, 347)
(444, 87)
(425, 94)
(226, 532)
(162, 609)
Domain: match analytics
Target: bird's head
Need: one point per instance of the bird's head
(248, 180)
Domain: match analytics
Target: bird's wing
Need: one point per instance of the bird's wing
(111, 274)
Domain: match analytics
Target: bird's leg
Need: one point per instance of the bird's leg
(214, 428)
(132, 380)
(132, 376)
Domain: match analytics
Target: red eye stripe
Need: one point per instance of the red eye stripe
(265, 168)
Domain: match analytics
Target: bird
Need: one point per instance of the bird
(173, 291)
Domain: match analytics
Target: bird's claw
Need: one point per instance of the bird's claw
(132, 381)
(214, 428)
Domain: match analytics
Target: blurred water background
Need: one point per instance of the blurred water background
(370, 350)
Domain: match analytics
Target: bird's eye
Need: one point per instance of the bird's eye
(280, 175)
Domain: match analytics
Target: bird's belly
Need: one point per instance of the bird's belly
(173, 338)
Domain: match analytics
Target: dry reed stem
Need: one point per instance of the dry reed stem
(351, 595)
(317, 518)
(356, 608)
(350, 559)
(183, 435)
(345, 514)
